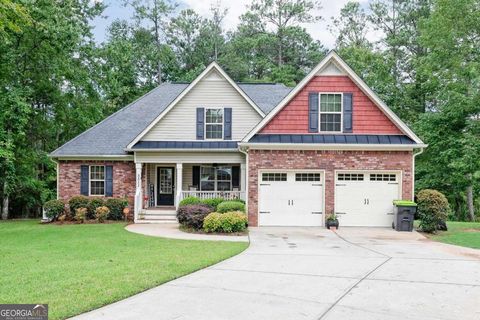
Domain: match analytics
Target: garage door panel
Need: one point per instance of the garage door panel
(298, 201)
(367, 201)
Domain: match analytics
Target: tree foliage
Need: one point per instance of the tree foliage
(56, 81)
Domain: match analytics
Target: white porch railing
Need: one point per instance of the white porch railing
(227, 195)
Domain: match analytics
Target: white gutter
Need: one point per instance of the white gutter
(92, 157)
(246, 178)
(413, 171)
(330, 146)
(183, 150)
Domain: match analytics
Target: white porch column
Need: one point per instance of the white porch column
(179, 184)
(138, 191)
(243, 179)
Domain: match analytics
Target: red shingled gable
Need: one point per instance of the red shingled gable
(367, 117)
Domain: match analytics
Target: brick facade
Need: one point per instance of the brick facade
(328, 161)
(123, 179)
(367, 117)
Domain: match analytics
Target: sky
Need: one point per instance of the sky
(318, 30)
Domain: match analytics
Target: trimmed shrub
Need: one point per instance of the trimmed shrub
(228, 222)
(116, 206)
(101, 213)
(81, 214)
(214, 202)
(54, 208)
(190, 200)
(432, 209)
(192, 215)
(77, 202)
(93, 205)
(212, 222)
(228, 206)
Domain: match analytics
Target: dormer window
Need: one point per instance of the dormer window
(213, 123)
(330, 112)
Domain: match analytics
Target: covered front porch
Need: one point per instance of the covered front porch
(161, 184)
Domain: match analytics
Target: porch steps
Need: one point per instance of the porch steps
(157, 216)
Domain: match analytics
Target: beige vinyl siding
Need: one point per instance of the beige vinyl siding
(189, 157)
(187, 176)
(212, 91)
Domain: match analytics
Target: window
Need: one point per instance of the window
(331, 112)
(274, 176)
(214, 124)
(350, 177)
(97, 180)
(215, 178)
(307, 177)
(383, 177)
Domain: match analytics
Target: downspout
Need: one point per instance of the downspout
(413, 171)
(246, 175)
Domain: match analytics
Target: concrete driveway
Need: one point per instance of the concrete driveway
(313, 273)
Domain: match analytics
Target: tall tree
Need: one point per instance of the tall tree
(48, 95)
(155, 14)
(451, 37)
(351, 27)
(281, 14)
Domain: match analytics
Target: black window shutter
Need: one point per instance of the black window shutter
(196, 177)
(313, 112)
(84, 180)
(109, 181)
(227, 124)
(236, 177)
(200, 123)
(347, 112)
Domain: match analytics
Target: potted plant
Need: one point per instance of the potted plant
(332, 221)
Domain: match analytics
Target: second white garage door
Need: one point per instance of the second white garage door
(290, 199)
(365, 198)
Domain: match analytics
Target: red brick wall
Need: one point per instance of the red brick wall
(367, 117)
(328, 161)
(123, 179)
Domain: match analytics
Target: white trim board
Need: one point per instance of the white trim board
(333, 57)
(212, 66)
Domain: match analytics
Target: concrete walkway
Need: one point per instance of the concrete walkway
(313, 273)
(171, 230)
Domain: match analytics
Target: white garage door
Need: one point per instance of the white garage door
(290, 199)
(365, 199)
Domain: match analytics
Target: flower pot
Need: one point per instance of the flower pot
(332, 223)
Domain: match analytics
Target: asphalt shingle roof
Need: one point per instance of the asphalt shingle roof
(113, 134)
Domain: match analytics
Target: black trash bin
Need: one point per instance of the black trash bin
(404, 214)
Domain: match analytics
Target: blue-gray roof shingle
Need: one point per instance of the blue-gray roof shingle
(113, 134)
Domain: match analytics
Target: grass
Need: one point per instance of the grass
(465, 234)
(77, 268)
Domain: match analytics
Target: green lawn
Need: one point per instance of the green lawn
(465, 234)
(76, 268)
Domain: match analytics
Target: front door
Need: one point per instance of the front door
(165, 186)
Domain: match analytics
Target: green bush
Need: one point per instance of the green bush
(214, 202)
(228, 222)
(77, 202)
(116, 206)
(101, 213)
(233, 205)
(93, 205)
(81, 214)
(432, 209)
(54, 208)
(190, 200)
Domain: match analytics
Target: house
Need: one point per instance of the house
(295, 155)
